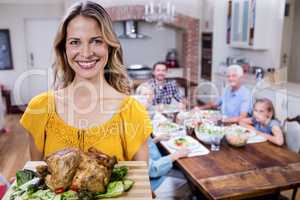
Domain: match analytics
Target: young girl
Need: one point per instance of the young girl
(263, 122)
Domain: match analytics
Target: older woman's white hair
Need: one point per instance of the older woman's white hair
(237, 69)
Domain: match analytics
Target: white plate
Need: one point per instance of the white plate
(199, 149)
(256, 139)
(190, 143)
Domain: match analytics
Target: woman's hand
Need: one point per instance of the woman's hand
(143, 153)
(180, 154)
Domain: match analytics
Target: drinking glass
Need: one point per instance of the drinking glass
(215, 142)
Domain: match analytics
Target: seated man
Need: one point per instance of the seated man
(236, 102)
(164, 90)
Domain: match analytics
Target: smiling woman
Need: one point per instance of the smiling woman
(90, 106)
(102, 32)
(86, 52)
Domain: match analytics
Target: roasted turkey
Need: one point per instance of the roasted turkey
(79, 170)
(62, 166)
(94, 171)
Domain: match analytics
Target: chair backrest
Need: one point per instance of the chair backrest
(292, 133)
(207, 92)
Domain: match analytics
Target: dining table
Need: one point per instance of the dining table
(254, 170)
(238, 173)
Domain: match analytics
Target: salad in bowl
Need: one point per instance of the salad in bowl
(237, 136)
(190, 125)
(207, 132)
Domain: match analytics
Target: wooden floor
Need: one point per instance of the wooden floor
(14, 150)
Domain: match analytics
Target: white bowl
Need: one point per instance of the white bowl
(236, 135)
(207, 137)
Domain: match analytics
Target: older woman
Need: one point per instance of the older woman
(93, 108)
(236, 101)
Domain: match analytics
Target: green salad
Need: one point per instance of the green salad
(210, 129)
(29, 186)
(236, 130)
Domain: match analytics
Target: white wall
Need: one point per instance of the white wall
(294, 70)
(267, 59)
(150, 50)
(12, 17)
(207, 15)
(287, 35)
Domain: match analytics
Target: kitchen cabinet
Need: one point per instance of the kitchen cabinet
(247, 24)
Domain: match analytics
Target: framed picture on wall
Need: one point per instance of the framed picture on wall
(5, 50)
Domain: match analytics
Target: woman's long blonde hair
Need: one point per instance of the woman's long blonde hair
(115, 72)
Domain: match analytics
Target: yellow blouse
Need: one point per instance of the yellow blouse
(121, 136)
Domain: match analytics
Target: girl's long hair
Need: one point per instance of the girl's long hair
(269, 105)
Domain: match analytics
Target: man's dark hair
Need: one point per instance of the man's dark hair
(159, 63)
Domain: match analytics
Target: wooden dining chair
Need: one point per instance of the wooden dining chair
(293, 126)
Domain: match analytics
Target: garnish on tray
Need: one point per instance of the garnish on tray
(71, 174)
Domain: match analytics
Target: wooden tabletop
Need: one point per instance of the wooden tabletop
(138, 171)
(236, 173)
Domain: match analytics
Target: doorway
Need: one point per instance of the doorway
(290, 41)
(39, 35)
